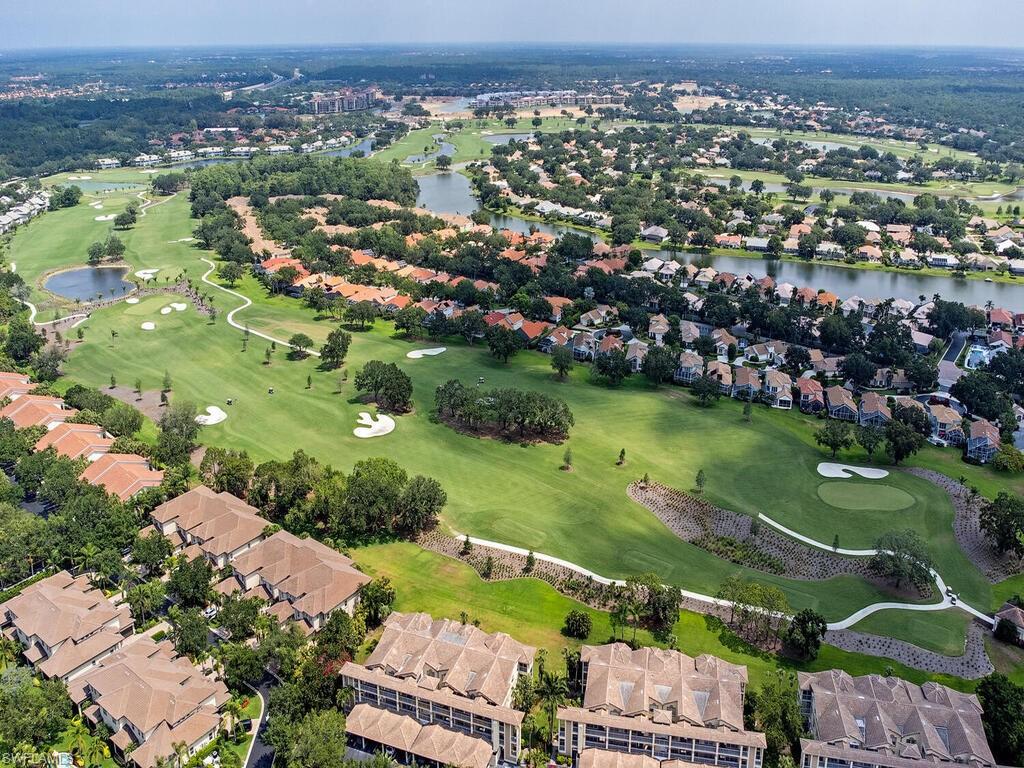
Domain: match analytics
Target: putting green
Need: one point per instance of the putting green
(858, 496)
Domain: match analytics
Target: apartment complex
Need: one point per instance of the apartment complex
(151, 700)
(523, 99)
(657, 705)
(348, 100)
(438, 692)
(65, 625)
(886, 722)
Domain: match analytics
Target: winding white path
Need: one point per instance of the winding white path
(246, 303)
(849, 621)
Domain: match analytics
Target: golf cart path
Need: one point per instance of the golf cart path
(943, 604)
(849, 621)
(246, 303)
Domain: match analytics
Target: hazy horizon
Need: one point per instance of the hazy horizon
(48, 24)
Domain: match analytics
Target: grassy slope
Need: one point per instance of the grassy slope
(531, 611)
(585, 515)
(941, 631)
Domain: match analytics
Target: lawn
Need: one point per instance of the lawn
(939, 631)
(496, 490)
(532, 611)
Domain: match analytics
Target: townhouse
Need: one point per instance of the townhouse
(218, 526)
(65, 625)
(660, 704)
(304, 580)
(438, 692)
(122, 474)
(152, 701)
(812, 395)
(690, 368)
(947, 424)
(885, 722)
(76, 441)
(36, 410)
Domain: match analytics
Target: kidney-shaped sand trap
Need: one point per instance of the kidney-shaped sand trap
(148, 326)
(147, 274)
(213, 415)
(416, 354)
(108, 217)
(165, 310)
(179, 306)
(131, 300)
(828, 469)
(382, 425)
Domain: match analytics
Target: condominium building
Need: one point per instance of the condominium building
(65, 625)
(152, 701)
(659, 705)
(438, 692)
(219, 526)
(885, 722)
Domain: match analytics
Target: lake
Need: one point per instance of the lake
(444, 148)
(500, 139)
(89, 283)
(453, 193)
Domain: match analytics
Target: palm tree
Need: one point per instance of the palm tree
(78, 736)
(86, 555)
(233, 709)
(180, 753)
(553, 692)
(96, 752)
(8, 651)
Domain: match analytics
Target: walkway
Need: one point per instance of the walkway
(246, 303)
(947, 600)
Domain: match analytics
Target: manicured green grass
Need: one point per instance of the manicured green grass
(848, 494)
(532, 611)
(504, 491)
(939, 631)
(61, 238)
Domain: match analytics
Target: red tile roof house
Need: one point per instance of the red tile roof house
(559, 337)
(1000, 318)
(983, 441)
(812, 395)
(532, 331)
(778, 389)
(746, 383)
(690, 368)
(36, 410)
(873, 410)
(840, 404)
(122, 474)
(14, 385)
(947, 424)
(76, 441)
(558, 305)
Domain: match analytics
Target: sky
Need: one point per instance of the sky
(112, 23)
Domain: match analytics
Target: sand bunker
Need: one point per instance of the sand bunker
(147, 274)
(179, 306)
(148, 326)
(165, 310)
(97, 205)
(213, 415)
(828, 469)
(79, 178)
(182, 240)
(150, 170)
(418, 354)
(132, 300)
(382, 425)
(108, 217)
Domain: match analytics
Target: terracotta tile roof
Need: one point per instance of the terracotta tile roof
(75, 440)
(904, 722)
(36, 410)
(984, 429)
(432, 742)
(220, 523)
(122, 474)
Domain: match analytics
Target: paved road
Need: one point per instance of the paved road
(948, 371)
(261, 755)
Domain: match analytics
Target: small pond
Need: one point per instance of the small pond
(89, 283)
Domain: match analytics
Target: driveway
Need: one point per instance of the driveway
(948, 370)
(261, 755)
